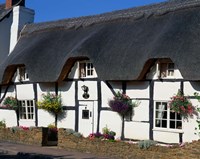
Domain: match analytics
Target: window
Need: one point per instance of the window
(165, 70)
(22, 74)
(85, 114)
(86, 69)
(26, 109)
(164, 118)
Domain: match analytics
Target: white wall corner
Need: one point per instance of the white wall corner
(21, 17)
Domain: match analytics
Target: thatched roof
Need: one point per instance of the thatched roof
(4, 12)
(119, 43)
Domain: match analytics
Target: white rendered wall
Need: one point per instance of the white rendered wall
(190, 125)
(9, 116)
(45, 118)
(136, 130)
(164, 90)
(92, 85)
(25, 92)
(21, 16)
(107, 93)
(166, 136)
(67, 120)
(138, 89)
(112, 120)
(43, 88)
(191, 87)
(189, 130)
(141, 112)
(67, 91)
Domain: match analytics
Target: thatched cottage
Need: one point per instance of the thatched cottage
(147, 52)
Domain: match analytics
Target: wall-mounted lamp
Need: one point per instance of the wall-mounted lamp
(85, 89)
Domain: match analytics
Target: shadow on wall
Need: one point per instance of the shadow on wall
(50, 87)
(63, 115)
(137, 85)
(196, 86)
(47, 87)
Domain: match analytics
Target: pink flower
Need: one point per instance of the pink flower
(182, 108)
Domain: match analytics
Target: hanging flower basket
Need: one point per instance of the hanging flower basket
(121, 104)
(10, 103)
(182, 105)
(51, 102)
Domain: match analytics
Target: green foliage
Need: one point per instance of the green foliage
(72, 132)
(197, 96)
(107, 135)
(10, 102)
(77, 134)
(107, 131)
(51, 102)
(145, 144)
(197, 129)
(2, 124)
(15, 129)
(51, 126)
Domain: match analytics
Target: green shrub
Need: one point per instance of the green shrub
(72, 132)
(77, 134)
(15, 129)
(2, 124)
(145, 144)
(10, 102)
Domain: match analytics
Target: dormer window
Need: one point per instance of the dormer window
(165, 69)
(22, 74)
(86, 69)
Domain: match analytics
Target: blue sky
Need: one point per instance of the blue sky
(47, 10)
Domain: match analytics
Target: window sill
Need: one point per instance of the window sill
(29, 120)
(87, 77)
(169, 130)
(167, 77)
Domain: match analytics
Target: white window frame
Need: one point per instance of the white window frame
(84, 73)
(167, 71)
(22, 74)
(167, 119)
(27, 111)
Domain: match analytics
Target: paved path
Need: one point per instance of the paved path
(20, 151)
